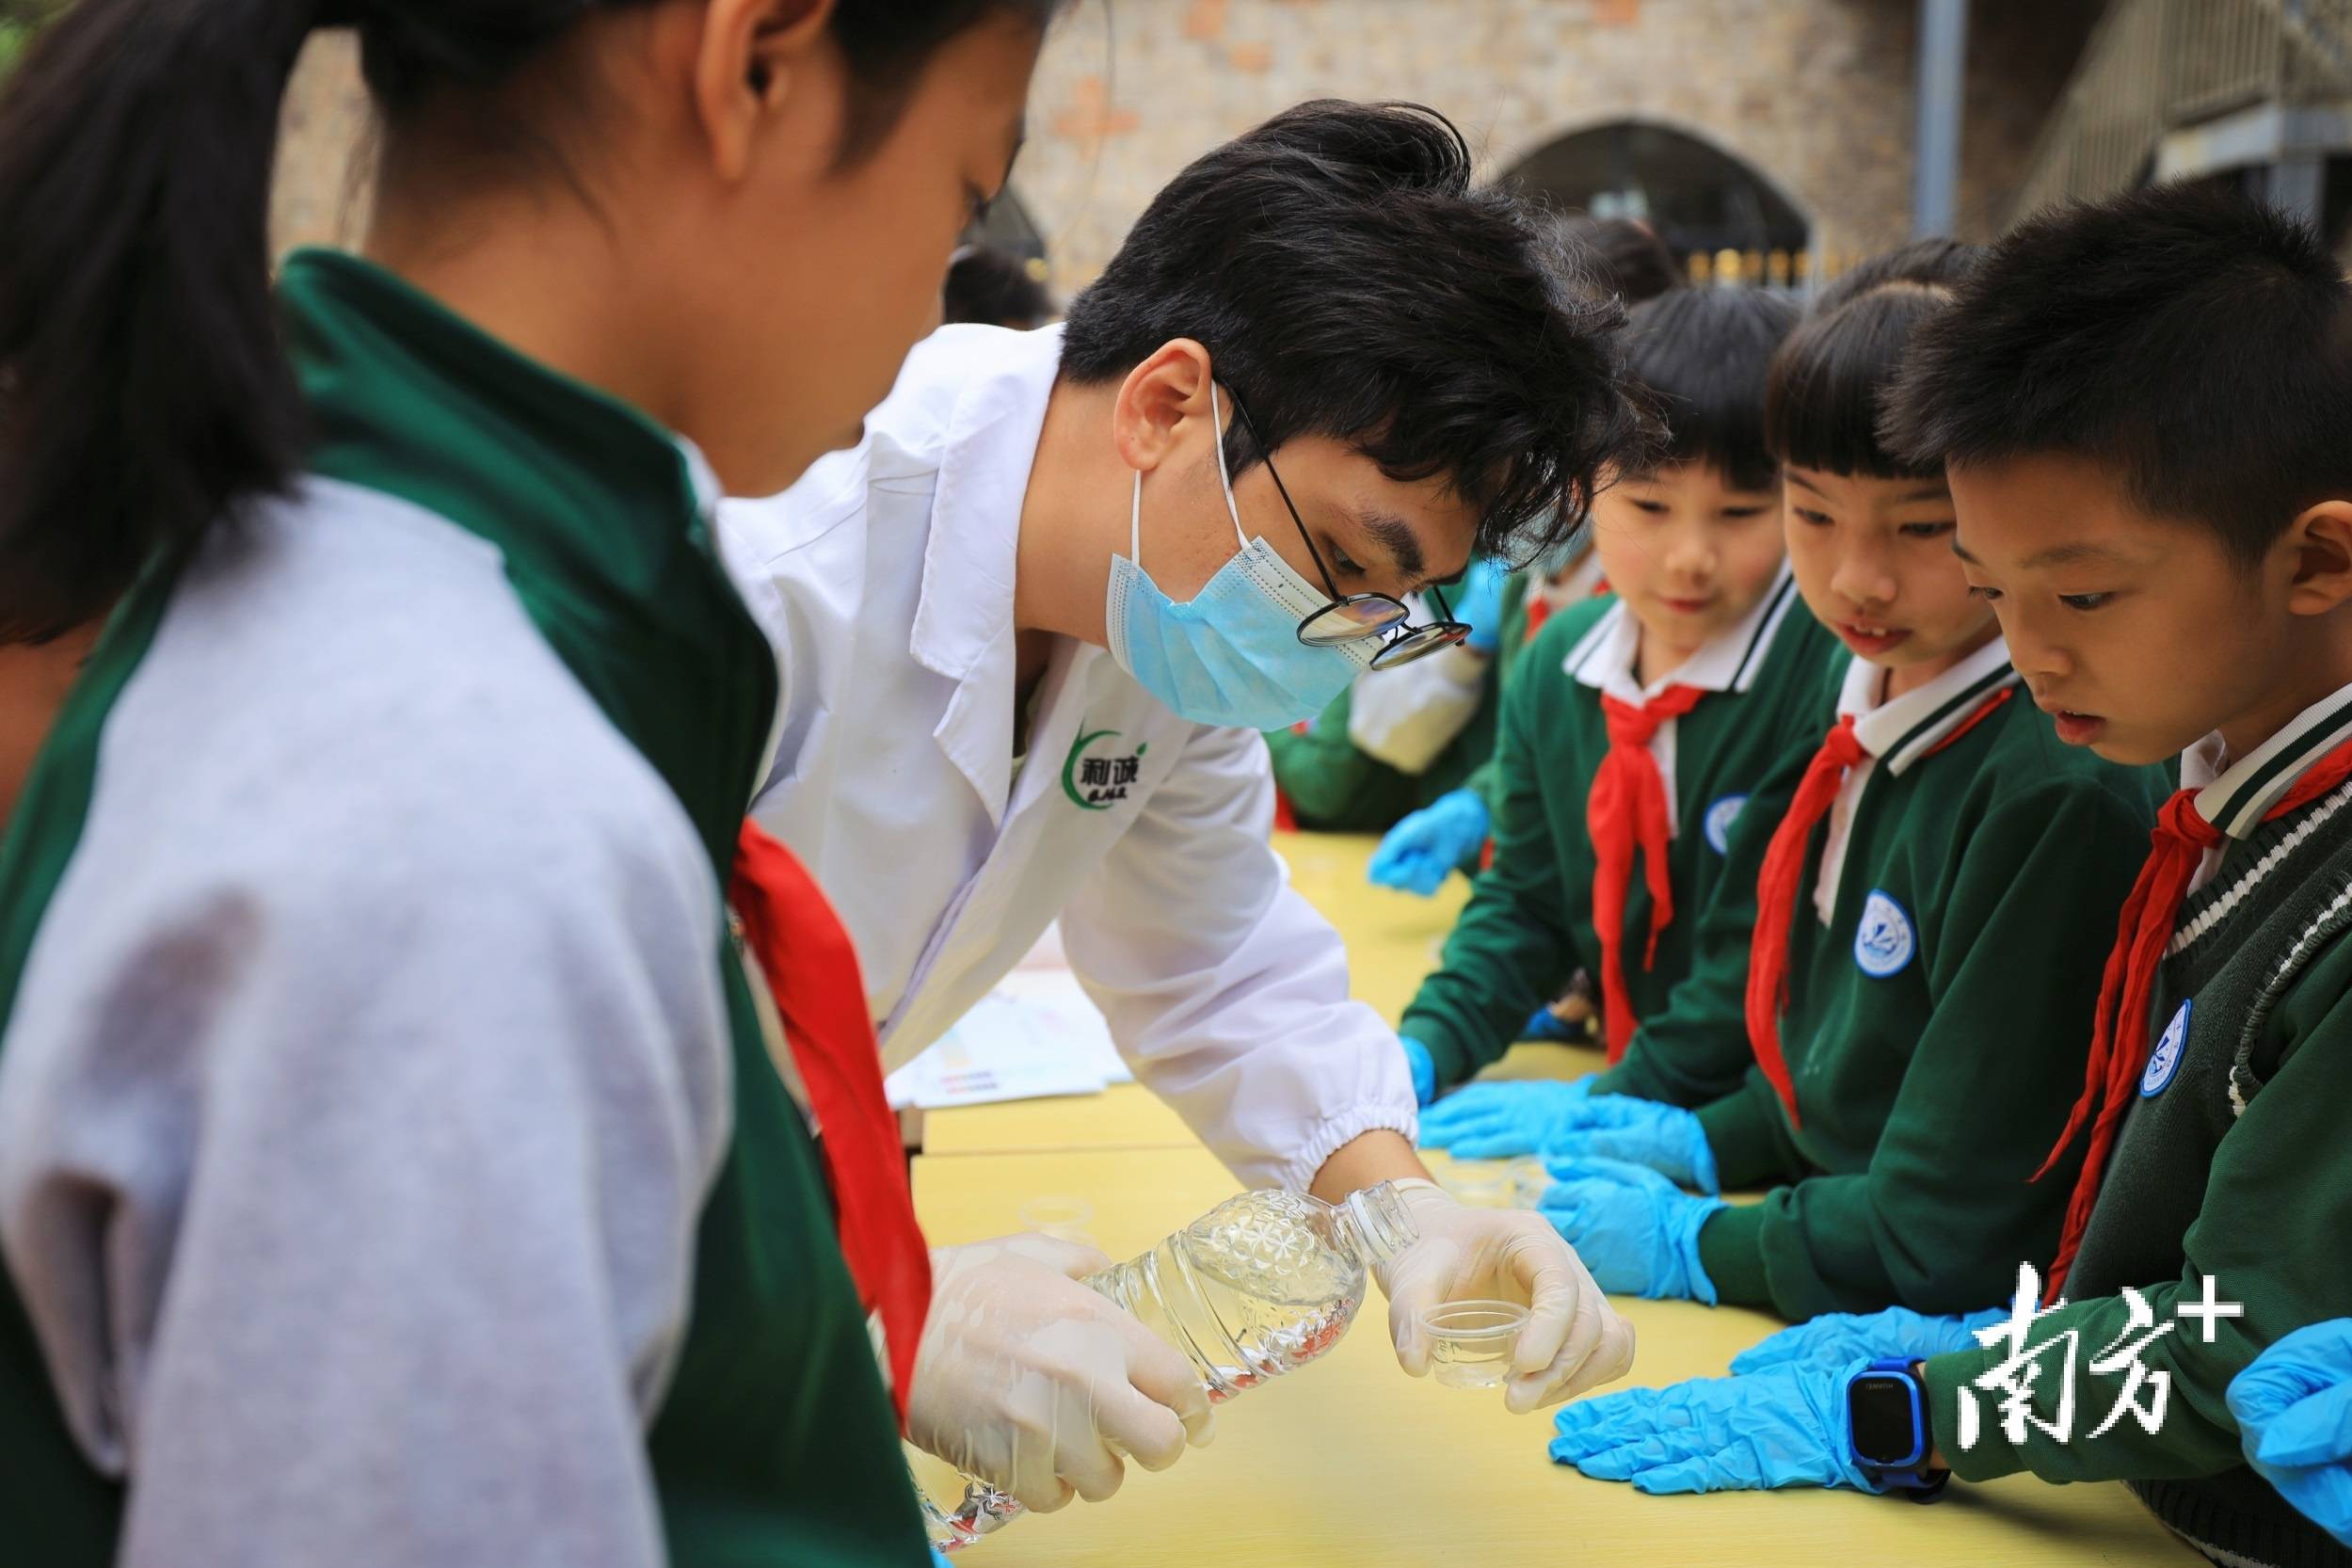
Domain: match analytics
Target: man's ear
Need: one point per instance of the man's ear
(753, 56)
(1155, 400)
(2320, 543)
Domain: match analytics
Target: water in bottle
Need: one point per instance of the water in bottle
(1263, 1283)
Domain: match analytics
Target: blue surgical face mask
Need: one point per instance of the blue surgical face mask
(1231, 654)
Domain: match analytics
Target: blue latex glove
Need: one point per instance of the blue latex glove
(1836, 1338)
(1782, 1428)
(1481, 605)
(1424, 1068)
(1666, 1138)
(2293, 1408)
(1544, 1024)
(1497, 1121)
(1635, 1230)
(1420, 852)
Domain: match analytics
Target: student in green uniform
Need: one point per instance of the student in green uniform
(1929, 913)
(392, 1169)
(1640, 721)
(2145, 405)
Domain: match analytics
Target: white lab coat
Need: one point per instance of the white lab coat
(885, 578)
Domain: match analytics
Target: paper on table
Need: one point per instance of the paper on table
(1059, 1009)
(1035, 1035)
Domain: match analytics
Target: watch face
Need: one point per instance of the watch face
(1882, 1409)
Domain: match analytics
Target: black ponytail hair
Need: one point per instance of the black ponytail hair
(142, 385)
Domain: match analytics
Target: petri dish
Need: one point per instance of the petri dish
(1480, 1184)
(1529, 1179)
(1060, 1215)
(1470, 1341)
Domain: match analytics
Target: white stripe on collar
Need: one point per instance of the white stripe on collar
(1727, 661)
(2237, 799)
(1901, 731)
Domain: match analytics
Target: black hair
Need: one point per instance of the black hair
(142, 385)
(1831, 380)
(1700, 356)
(1633, 261)
(1349, 281)
(994, 286)
(2193, 341)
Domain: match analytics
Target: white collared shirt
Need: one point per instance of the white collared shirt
(1604, 659)
(1898, 732)
(2236, 796)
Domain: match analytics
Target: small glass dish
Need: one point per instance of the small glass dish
(1059, 1215)
(1529, 1181)
(1481, 1183)
(1470, 1341)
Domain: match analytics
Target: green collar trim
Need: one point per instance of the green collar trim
(1782, 594)
(411, 399)
(46, 828)
(2237, 801)
(602, 516)
(1923, 735)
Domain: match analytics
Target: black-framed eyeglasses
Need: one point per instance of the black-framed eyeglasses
(1354, 618)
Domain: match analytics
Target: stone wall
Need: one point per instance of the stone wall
(1815, 95)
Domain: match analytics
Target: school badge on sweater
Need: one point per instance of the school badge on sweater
(1884, 943)
(2166, 1059)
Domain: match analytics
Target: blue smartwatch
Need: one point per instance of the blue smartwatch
(1887, 1430)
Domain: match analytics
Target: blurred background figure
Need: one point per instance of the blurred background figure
(997, 288)
(1629, 257)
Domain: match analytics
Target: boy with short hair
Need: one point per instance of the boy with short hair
(1637, 723)
(2145, 408)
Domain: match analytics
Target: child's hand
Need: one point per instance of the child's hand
(1665, 1138)
(1497, 1121)
(2294, 1409)
(1420, 852)
(1836, 1338)
(1636, 1231)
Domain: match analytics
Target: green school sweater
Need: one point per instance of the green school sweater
(1529, 925)
(391, 1134)
(1937, 1025)
(1336, 787)
(2230, 1168)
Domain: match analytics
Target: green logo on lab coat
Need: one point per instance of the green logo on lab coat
(1095, 783)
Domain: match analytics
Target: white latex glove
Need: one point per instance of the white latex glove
(1572, 1341)
(1032, 1383)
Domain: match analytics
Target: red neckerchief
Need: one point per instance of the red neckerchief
(812, 975)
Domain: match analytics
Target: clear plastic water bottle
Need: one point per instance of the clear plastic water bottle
(1263, 1283)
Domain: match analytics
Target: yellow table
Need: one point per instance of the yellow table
(1351, 1464)
(1393, 940)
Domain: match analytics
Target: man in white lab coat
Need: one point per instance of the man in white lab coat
(1029, 629)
